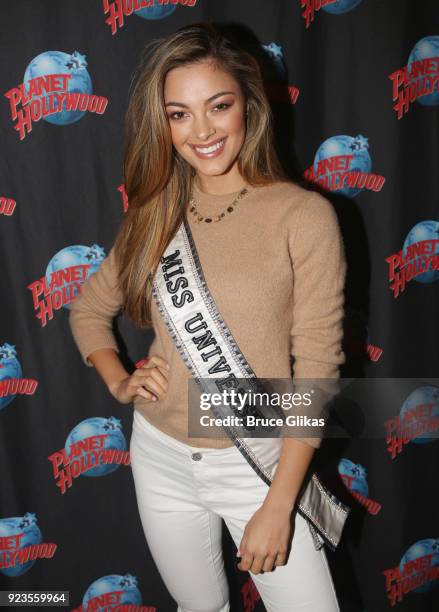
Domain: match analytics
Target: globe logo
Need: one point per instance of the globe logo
(9, 368)
(425, 230)
(426, 48)
(429, 546)
(68, 258)
(97, 426)
(27, 533)
(343, 154)
(58, 62)
(276, 70)
(340, 6)
(427, 396)
(353, 476)
(156, 11)
(124, 587)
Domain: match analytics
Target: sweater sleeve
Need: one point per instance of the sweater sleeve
(319, 271)
(92, 311)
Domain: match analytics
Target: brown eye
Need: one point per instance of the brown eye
(224, 105)
(174, 115)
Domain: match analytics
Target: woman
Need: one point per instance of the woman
(199, 150)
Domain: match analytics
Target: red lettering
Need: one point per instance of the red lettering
(399, 78)
(86, 445)
(10, 542)
(24, 122)
(394, 262)
(391, 575)
(58, 459)
(100, 601)
(15, 96)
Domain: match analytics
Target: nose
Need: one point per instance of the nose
(203, 128)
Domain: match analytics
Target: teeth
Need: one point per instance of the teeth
(210, 149)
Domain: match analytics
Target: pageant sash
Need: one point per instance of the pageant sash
(210, 352)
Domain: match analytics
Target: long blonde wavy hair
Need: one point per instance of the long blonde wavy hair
(158, 181)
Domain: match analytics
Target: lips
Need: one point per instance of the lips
(211, 149)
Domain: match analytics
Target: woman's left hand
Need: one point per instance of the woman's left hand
(264, 544)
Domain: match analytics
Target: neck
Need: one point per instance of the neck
(219, 185)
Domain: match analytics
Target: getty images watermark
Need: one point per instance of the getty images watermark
(247, 402)
(258, 407)
(396, 411)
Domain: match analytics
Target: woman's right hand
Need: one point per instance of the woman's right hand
(149, 381)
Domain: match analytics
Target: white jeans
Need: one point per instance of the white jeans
(182, 493)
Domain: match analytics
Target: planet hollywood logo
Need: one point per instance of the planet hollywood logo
(117, 10)
(353, 476)
(66, 272)
(417, 572)
(334, 7)
(7, 206)
(418, 417)
(419, 80)
(57, 88)
(113, 592)
(21, 544)
(275, 77)
(343, 165)
(418, 259)
(95, 447)
(12, 382)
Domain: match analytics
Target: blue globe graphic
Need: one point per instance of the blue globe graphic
(58, 62)
(98, 426)
(346, 145)
(110, 584)
(425, 230)
(27, 526)
(9, 368)
(425, 48)
(276, 67)
(429, 546)
(419, 397)
(74, 256)
(341, 6)
(356, 472)
(156, 11)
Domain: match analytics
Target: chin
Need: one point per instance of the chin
(211, 168)
(212, 171)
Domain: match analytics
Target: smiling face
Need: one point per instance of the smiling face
(205, 108)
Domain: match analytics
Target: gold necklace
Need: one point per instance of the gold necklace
(229, 208)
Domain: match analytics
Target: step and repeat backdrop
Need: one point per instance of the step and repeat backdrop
(354, 87)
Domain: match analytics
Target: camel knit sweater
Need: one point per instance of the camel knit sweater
(276, 269)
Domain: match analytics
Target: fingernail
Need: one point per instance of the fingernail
(154, 399)
(168, 367)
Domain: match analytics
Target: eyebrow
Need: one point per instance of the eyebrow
(221, 93)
